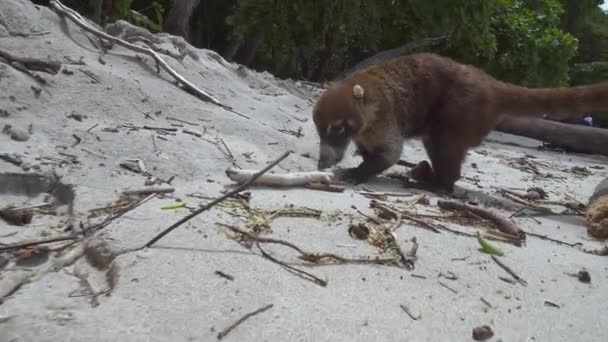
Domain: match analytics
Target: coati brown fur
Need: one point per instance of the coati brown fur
(452, 107)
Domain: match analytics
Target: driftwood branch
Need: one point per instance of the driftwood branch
(575, 138)
(78, 20)
(35, 64)
(503, 224)
(281, 180)
(217, 200)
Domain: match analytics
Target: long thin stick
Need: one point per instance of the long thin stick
(78, 20)
(510, 271)
(303, 274)
(36, 242)
(217, 200)
(241, 320)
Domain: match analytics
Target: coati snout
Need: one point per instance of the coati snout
(337, 133)
(333, 144)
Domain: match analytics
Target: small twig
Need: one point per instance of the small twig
(418, 276)
(92, 127)
(183, 121)
(50, 67)
(550, 303)
(306, 256)
(424, 224)
(230, 155)
(90, 75)
(224, 275)
(509, 270)
(196, 134)
(20, 245)
(485, 302)
(148, 191)
(93, 153)
(77, 138)
(559, 242)
(385, 194)
(461, 259)
(218, 200)
(500, 222)
(226, 331)
(325, 187)
(168, 129)
(409, 313)
(447, 287)
(299, 272)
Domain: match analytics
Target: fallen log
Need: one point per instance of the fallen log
(574, 138)
(597, 211)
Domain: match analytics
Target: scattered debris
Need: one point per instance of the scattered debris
(183, 121)
(77, 117)
(485, 302)
(510, 271)
(15, 134)
(17, 217)
(359, 231)
(486, 247)
(298, 134)
(226, 331)
(482, 333)
(552, 304)
(12, 158)
(194, 133)
(409, 313)
(50, 67)
(503, 224)
(148, 191)
(447, 287)
(224, 275)
(218, 200)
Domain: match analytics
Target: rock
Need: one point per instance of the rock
(15, 134)
(482, 333)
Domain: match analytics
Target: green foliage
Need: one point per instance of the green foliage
(531, 49)
(515, 40)
(123, 10)
(586, 73)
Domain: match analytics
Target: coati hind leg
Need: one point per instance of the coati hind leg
(447, 153)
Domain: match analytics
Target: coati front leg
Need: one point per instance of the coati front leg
(376, 160)
(447, 153)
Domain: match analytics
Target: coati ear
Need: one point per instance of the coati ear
(358, 92)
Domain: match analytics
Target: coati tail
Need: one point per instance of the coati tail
(554, 102)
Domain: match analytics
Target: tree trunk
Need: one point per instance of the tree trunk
(178, 18)
(575, 138)
(246, 52)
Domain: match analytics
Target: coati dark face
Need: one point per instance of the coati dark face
(334, 141)
(337, 119)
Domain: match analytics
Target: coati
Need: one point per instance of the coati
(450, 106)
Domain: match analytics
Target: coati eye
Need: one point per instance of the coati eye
(336, 129)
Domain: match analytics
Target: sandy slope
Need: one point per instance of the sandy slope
(171, 293)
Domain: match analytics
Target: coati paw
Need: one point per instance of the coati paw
(349, 175)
